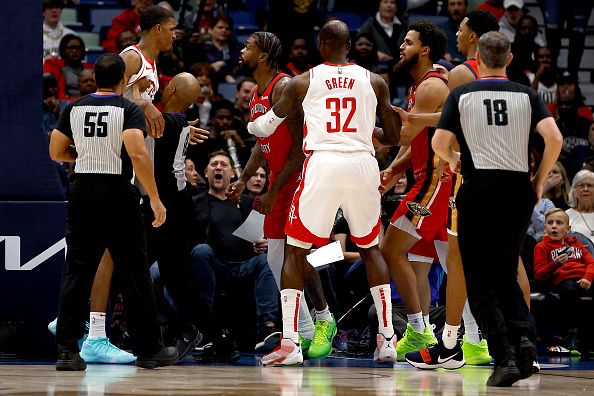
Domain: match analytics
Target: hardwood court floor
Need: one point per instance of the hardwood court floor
(333, 376)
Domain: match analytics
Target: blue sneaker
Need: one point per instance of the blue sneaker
(100, 350)
(54, 324)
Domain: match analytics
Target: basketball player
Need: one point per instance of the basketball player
(448, 353)
(157, 25)
(157, 35)
(284, 156)
(492, 119)
(421, 217)
(103, 213)
(338, 102)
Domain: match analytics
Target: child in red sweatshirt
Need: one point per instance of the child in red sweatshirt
(566, 263)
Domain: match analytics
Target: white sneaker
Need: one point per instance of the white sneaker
(288, 353)
(386, 349)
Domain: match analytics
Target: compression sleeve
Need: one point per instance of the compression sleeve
(265, 125)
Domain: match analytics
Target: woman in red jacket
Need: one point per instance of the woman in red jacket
(68, 67)
(568, 265)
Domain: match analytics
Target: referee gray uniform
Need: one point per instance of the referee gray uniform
(492, 120)
(104, 212)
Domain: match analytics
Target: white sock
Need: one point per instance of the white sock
(306, 324)
(290, 302)
(97, 325)
(416, 321)
(471, 329)
(382, 298)
(450, 336)
(324, 314)
(426, 321)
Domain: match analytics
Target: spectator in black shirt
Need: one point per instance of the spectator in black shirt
(222, 258)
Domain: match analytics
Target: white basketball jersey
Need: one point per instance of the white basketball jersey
(339, 109)
(148, 69)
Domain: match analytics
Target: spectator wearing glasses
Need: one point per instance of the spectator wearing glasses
(581, 201)
(68, 67)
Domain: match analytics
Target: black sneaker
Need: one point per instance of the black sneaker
(269, 339)
(70, 361)
(437, 356)
(226, 349)
(525, 357)
(505, 374)
(166, 356)
(204, 353)
(187, 342)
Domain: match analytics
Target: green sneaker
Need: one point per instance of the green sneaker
(476, 354)
(321, 346)
(413, 341)
(305, 344)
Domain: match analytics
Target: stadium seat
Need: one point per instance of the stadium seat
(436, 19)
(100, 17)
(228, 90)
(91, 40)
(353, 20)
(93, 54)
(69, 18)
(255, 5)
(243, 21)
(99, 2)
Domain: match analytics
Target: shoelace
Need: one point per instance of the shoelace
(320, 335)
(104, 347)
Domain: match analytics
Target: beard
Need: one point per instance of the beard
(245, 69)
(404, 65)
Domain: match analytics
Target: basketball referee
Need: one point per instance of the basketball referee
(492, 119)
(103, 212)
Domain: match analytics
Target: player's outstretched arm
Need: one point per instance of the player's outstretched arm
(256, 160)
(442, 145)
(294, 159)
(429, 98)
(141, 162)
(553, 141)
(389, 134)
(289, 102)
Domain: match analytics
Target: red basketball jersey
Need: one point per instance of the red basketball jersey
(276, 147)
(423, 157)
(473, 66)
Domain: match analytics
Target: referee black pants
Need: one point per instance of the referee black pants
(494, 214)
(104, 212)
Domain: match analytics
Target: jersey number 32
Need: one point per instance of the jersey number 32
(335, 105)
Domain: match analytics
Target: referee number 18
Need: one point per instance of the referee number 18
(496, 111)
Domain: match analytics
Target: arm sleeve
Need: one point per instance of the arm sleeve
(134, 118)
(63, 124)
(539, 109)
(543, 264)
(265, 125)
(450, 115)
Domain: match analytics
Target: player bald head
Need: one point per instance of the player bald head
(335, 34)
(184, 87)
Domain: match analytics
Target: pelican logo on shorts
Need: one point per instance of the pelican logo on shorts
(292, 214)
(265, 148)
(452, 203)
(418, 209)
